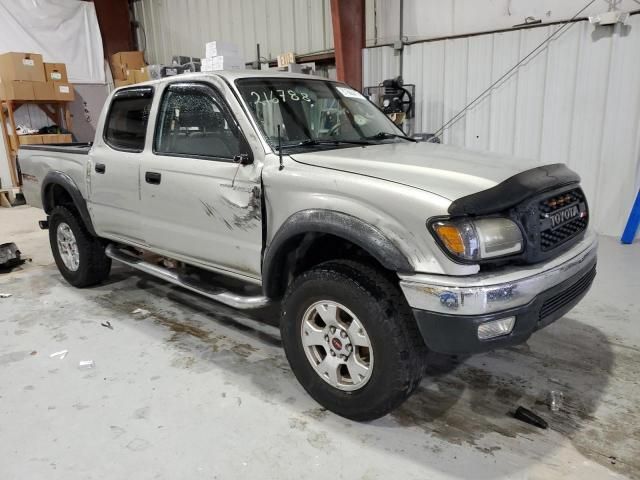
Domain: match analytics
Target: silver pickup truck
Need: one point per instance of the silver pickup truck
(379, 248)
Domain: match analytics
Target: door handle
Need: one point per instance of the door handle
(100, 168)
(152, 178)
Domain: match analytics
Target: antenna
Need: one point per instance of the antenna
(280, 147)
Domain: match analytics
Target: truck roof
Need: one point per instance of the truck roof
(230, 75)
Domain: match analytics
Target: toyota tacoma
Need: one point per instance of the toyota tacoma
(378, 248)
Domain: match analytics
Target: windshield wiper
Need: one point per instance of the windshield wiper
(384, 135)
(311, 142)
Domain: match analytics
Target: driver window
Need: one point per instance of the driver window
(192, 123)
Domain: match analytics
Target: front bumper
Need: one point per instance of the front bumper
(449, 310)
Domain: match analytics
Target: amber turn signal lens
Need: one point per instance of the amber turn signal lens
(450, 236)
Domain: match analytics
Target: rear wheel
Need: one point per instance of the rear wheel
(80, 256)
(351, 339)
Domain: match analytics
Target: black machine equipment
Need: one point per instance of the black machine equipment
(394, 98)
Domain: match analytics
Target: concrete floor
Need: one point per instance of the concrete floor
(191, 389)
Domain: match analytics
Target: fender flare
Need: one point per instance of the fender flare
(66, 182)
(339, 224)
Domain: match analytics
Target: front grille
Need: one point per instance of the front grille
(558, 301)
(554, 229)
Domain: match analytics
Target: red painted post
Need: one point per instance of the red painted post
(347, 17)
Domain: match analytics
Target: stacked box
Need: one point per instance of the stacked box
(56, 75)
(213, 64)
(221, 56)
(18, 73)
(39, 139)
(217, 48)
(24, 76)
(122, 62)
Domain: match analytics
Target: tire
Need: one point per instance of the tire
(397, 351)
(88, 265)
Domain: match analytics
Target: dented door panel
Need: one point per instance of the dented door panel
(199, 212)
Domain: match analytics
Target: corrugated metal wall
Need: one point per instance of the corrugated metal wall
(429, 19)
(577, 102)
(182, 27)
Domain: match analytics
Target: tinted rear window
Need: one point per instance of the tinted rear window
(126, 126)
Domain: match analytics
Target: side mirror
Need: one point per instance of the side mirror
(243, 159)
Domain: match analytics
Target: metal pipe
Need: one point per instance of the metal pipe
(488, 32)
(235, 301)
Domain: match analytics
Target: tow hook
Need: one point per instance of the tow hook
(44, 224)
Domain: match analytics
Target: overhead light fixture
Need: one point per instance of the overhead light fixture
(610, 18)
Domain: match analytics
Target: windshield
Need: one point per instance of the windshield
(315, 113)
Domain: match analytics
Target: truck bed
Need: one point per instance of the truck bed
(37, 161)
(77, 147)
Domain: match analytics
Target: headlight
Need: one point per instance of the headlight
(479, 239)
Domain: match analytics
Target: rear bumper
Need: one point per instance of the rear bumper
(448, 315)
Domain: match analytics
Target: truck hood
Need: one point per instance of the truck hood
(450, 172)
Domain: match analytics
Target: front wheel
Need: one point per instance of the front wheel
(351, 339)
(80, 256)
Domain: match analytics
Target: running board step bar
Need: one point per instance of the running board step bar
(231, 299)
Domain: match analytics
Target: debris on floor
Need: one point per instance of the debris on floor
(86, 364)
(5, 295)
(9, 257)
(140, 311)
(556, 400)
(107, 324)
(527, 416)
(61, 354)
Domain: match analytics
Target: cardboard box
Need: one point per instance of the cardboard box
(63, 91)
(30, 139)
(48, 138)
(16, 90)
(222, 63)
(56, 72)
(43, 91)
(25, 140)
(22, 66)
(217, 49)
(123, 61)
(122, 83)
(138, 75)
(39, 139)
(56, 138)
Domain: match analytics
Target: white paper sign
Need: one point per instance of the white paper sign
(56, 76)
(348, 92)
(63, 89)
(27, 62)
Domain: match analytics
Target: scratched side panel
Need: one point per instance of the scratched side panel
(201, 214)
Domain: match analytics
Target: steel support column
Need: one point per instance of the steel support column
(347, 17)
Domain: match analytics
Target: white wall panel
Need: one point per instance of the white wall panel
(182, 27)
(577, 101)
(379, 64)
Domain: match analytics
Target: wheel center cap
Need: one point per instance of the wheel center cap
(337, 344)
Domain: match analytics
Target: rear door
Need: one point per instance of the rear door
(199, 205)
(114, 169)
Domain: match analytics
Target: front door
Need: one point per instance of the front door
(114, 186)
(198, 205)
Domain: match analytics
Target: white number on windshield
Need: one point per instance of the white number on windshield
(276, 96)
